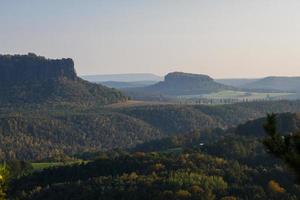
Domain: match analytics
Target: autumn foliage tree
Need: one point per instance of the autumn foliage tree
(3, 181)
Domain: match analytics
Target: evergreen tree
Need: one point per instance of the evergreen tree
(287, 148)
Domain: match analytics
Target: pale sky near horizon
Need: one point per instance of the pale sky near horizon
(221, 38)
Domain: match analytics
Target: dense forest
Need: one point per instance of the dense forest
(39, 132)
(39, 137)
(232, 165)
(178, 119)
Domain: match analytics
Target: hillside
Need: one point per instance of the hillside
(178, 84)
(36, 136)
(290, 84)
(235, 82)
(286, 124)
(173, 120)
(122, 85)
(30, 133)
(31, 79)
(230, 167)
(184, 118)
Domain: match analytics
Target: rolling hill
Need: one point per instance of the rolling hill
(289, 84)
(32, 133)
(122, 77)
(122, 85)
(230, 166)
(235, 82)
(286, 124)
(40, 136)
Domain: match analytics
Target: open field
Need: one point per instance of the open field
(41, 166)
(230, 94)
(238, 96)
(45, 165)
(133, 103)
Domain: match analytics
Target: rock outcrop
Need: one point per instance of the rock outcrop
(31, 79)
(186, 77)
(31, 68)
(179, 83)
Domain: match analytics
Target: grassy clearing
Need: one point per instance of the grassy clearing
(41, 166)
(45, 165)
(132, 103)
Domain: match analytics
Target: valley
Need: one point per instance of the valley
(63, 132)
(183, 88)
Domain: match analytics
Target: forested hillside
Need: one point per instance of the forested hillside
(286, 124)
(230, 166)
(183, 118)
(37, 137)
(39, 132)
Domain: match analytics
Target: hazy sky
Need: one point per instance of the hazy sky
(221, 38)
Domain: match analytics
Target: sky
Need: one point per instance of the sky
(221, 38)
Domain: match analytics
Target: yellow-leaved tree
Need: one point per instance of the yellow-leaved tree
(3, 181)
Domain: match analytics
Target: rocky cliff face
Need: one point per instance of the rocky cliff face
(31, 68)
(31, 79)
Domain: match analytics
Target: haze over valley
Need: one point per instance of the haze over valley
(152, 100)
(192, 88)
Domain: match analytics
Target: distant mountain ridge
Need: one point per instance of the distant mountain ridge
(236, 82)
(31, 79)
(180, 83)
(290, 84)
(134, 77)
(122, 85)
